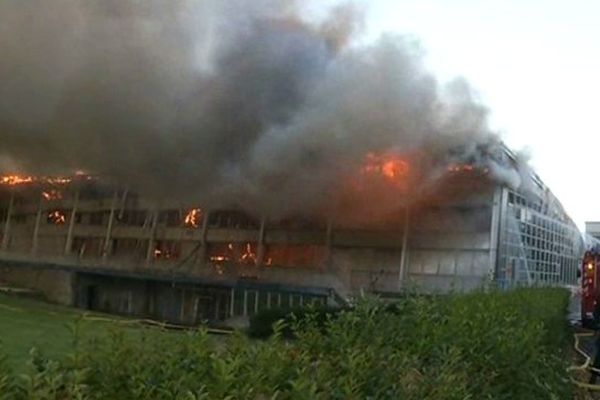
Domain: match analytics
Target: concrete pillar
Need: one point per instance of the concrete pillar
(107, 246)
(182, 307)
(256, 294)
(245, 303)
(69, 241)
(269, 300)
(203, 245)
(404, 255)
(123, 202)
(36, 228)
(6, 233)
(196, 304)
(217, 305)
(497, 231)
(261, 248)
(232, 303)
(152, 238)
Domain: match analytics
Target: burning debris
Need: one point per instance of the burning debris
(388, 166)
(50, 195)
(248, 256)
(193, 217)
(13, 180)
(20, 180)
(57, 217)
(233, 253)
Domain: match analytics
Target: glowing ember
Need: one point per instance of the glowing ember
(240, 253)
(57, 180)
(388, 166)
(52, 195)
(57, 217)
(193, 217)
(248, 257)
(12, 180)
(466, 168)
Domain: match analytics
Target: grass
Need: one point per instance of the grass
(26, 323)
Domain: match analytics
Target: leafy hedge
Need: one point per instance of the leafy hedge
(475, 346)
(261, 324)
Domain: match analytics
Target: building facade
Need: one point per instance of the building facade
(103, 248)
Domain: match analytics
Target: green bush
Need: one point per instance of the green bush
(476, 346)
(261, 324)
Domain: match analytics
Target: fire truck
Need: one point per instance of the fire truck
(590, 285)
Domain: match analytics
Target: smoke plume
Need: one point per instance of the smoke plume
(249, 104)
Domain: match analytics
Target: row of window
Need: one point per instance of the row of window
(192, 218)
(536, 246)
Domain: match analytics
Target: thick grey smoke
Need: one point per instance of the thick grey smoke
(222, 102)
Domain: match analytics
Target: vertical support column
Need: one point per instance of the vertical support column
(36, 228)
(245, 310)
(6, 233)
(152, 237)
(107, 246)
(203, 231)
(404, 256)
(182, 306)
(497, 234)
(69, 241)
(260, 252)
(218, 306)
(123, 202)
(232, 303)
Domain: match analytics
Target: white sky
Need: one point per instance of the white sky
(535, 63)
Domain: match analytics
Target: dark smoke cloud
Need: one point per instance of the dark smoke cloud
(222, 102)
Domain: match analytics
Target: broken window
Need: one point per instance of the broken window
(295, 255)
(232, 220)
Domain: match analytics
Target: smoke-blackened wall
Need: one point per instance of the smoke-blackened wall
(235, 103)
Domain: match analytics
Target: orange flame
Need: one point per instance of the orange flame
(12, 180)
(466, 168)
(57, 180)
(234, 252)
(389, 166)
(193, 217)
(248, 257)
(57, 217)
(52, 195)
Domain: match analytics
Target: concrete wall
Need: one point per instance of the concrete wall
(453, 246)
(56, 285)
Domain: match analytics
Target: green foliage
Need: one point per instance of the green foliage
(476, 346)
(261, 324)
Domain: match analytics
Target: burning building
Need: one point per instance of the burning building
(106, 248)
(249, 155)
